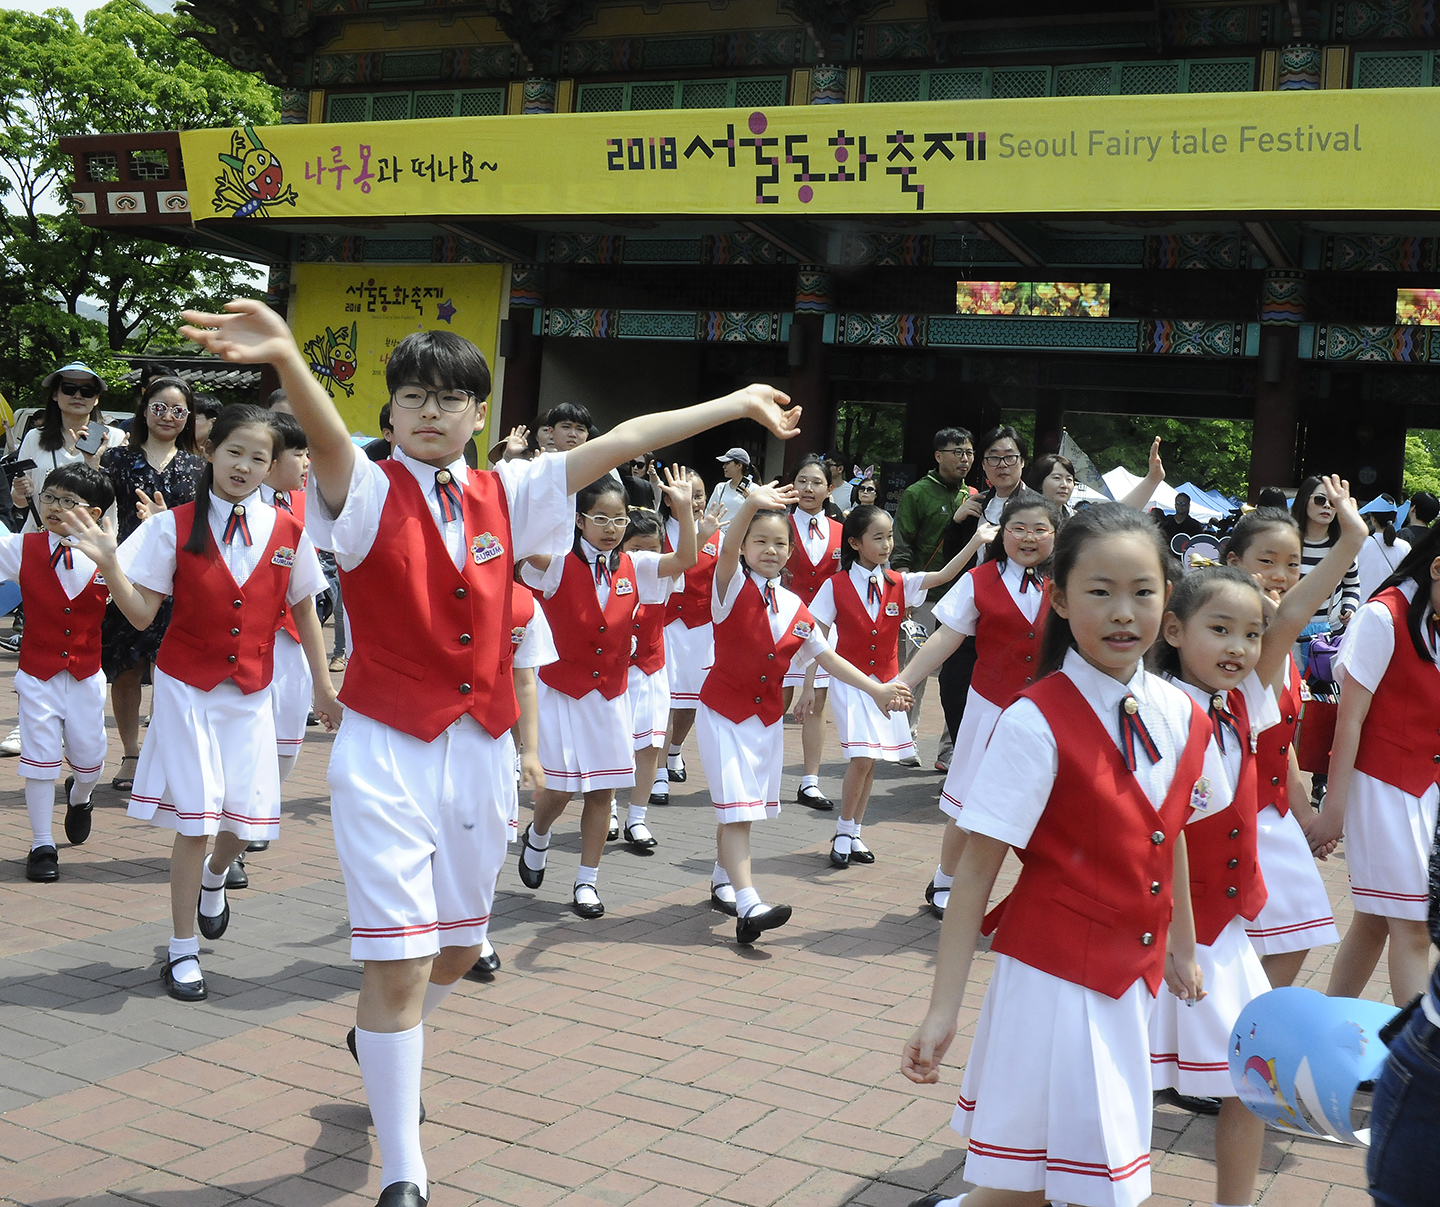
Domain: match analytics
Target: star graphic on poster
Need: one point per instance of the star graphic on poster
(446, 310)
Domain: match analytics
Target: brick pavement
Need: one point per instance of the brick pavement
(641, 1059)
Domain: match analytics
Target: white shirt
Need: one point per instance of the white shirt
(843, 496)
(48, 460)
(729, 498)
(148, 556)
(73, 580)
(822, 607)
(788, 605)
(815, 543)
(1376, 562)
(649, 585)
(957, 609)
(1262, 710)
(1018, 770)
(538, 648)
(1370, 642)
(542, 513)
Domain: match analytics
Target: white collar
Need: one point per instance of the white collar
(1100, 688)
(591, 553)
(761, 581)
(226, 506)
(1206, 699)
(425, 474)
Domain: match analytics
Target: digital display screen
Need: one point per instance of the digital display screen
(1048, 299)
(1417, 307)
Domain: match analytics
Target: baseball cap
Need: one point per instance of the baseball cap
(735, 454)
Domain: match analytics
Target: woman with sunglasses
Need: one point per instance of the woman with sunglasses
(74, 400)
(1319, 530)
(156, 469)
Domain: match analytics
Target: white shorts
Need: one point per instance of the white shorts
(61, 715)
(649, 697)
(290, 693)
(1388, 836)
(864, 731)
(1296, 915)
(689, 655)
(976, 726)
(742, 764)
(1056, 1094)
(1190, 1045)
(208, 763)
(585, 744)
(421, 830)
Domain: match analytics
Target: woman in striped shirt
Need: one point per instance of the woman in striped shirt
(1320, 529)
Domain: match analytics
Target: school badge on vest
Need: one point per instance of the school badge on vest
(284, 556)
(623, 586)
(517, 634)
(892, 609)
(835, 554)
(1200, 794)
(803, 630)
(711, 549)
(485, 547)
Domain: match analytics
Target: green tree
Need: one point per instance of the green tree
(1212, 453)
(125, 69)
(1422, 466)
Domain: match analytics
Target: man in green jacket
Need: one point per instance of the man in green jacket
(927, 509)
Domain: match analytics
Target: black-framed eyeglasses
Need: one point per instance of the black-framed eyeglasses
(65, 502)
(1004, 460)
(959, 452)
(413, 397)
(71, 388)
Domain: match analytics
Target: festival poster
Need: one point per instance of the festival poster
(348, 318)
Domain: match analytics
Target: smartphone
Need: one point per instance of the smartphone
(93, 439)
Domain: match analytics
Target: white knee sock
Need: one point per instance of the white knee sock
(212, 891)
(390, 1063)
(40, 804)
(287, 765)
(189, 971)
(80, 790)
(434, 995)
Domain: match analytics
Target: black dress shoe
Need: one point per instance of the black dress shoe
(260, 844)
(401, 1194)
(235, 875)
(486, 966)
(213, 928)
(640, 843)
(614, 831)
(659, 798)
(750, 928)
(837, 860)
(529, 877)
(1194, 1103)
(719, 902)
(350, 1043)
(77, 817)
(931, 1200)
(42, 865)
(863, 855)
(183, 991)
(676, 777)
(930, 891)
(815, 799)
(587, 909)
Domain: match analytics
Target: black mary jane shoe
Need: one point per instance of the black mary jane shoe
(235, 875)
(752, 926)
(930, 893)
(719, 902)
(529, 877)
(815, 799)
(42, 865)
(77, 817)
(640, 844)
(350, 1043)
(183, 991)
(1196, 1104)
(614, 831)
(659, 798)
(676, 777)
(260, 844)
(485, 967)
(401, 1194)
(587, 909)
(837, 860)
(213, 928)
(863, 855)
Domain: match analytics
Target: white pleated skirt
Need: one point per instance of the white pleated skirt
(290, 693)
(1056, 1094)
(976, 727)
(689, 655)
(585, 744)
(1388, 837)
(1190, 1045)
(649, 697)
(1297, 914)
(742, 764)
(864, 731)
(209, 762)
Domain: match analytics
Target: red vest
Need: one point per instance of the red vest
(594, 645)
(1007, 645)
(522, 612)
(1093, 900)
(198, 647)
(649, 653)
(429, 640)
(296, 499)
(871, 645)
(749, 669)
(62, 634)
(1272, 759)
(1400, 741)
(692, 603)
(1225, 878)
(805, 577)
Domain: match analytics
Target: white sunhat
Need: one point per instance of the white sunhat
(74, 369)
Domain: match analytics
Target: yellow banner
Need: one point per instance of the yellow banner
(1253, 151)
(348, 318)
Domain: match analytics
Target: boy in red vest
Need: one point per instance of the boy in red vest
(60, 685)
(422, 773)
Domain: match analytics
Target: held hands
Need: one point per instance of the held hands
(1184, 978)
(146, 506)
(532, 775)
(1322, 831)
(95, 541)
(676, 489)
(249, 332)
(327, 705)
(805, 705)
(772, 410)
(920, 1058)
(894, 696)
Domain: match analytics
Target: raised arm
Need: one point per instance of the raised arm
(1308, 596)
(1144, 490)
(251, 333)
(760, 498)
(764, 404)
(984, 534)
(139, 605)
(687, 550)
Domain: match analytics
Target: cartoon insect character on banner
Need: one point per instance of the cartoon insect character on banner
(332, 359)
(253, 179)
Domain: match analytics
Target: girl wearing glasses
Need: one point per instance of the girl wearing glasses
(586, 744)
(156, 468)
(73, 401)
